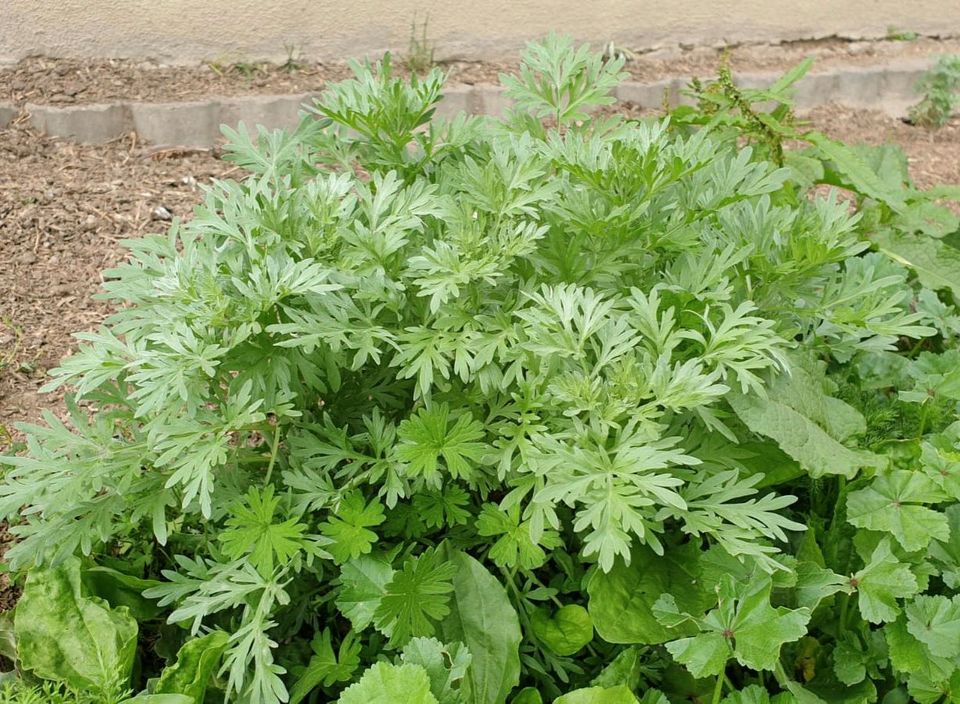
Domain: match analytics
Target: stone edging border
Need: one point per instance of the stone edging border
(890, 88)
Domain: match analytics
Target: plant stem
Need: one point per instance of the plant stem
(781, 675)
(843, 613)
(924, 412)
(718, 689)
(273, 453)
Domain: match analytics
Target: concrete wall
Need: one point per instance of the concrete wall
(188, 31)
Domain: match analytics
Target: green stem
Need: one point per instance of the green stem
(273, 453)
(718, 689)
(924, 412)
(844, 607)
(781, 675)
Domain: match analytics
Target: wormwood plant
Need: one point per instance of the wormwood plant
(940, 88)
(552, 407)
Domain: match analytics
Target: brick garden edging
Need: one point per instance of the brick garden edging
(890, 88)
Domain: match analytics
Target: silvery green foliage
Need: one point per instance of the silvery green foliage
(552, 340)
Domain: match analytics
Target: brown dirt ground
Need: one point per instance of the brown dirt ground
(63, 82)
(64, 208)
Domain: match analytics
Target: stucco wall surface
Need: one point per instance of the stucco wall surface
(188, 31)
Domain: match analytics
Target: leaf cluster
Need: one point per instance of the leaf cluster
(557, 406)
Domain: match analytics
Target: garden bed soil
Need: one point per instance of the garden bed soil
(70, 82)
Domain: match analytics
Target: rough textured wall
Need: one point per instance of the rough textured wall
(187, 31)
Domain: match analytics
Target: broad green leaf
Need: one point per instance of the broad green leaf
(807, 424)
(755, 694)
(621, 600)
(935, 622)
(881, 583)
(565, 631)
(942, 465)
(160, 699)
(892, 504)
(623, 669)
(66, 636)
(815, 583)
(744, 626)
(911, 657)
(197, 661)
(851, 171)
(364, 582)
(848, 663)
(831, 692)
(383, 683)
(8, 638)
(620, 694)
(527, 695)
(121, 589)
(947, 553)
(483, 619)
(705, 655)
(924, 690)
(854, 657)
(936, 263)
(760, 629)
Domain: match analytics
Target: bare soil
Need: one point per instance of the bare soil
(67, 82)
(64, 208)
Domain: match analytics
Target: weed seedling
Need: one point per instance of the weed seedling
(294, 60)
(940, 88)
(419, 58)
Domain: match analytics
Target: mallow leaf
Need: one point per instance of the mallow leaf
(446, 665)
(910, 656)
(816, 583)
(881, 583)
(935, 622)
(384, 683)
(744, 626)
(892, 504)
(363, 583)
(755, 694)
(66, 636)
